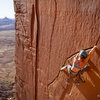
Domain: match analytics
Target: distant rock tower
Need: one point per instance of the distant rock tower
(47, 32)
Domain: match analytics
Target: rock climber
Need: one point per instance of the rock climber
(79, 63)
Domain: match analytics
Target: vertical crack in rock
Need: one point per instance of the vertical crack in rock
(37, 39)
(51, 40)
(32, 33)
(53, 29)
(32, 23)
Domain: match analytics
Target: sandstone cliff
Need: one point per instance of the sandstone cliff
(48, 31)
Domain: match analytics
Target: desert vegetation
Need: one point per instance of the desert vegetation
(7, 66)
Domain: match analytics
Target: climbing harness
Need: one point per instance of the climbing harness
(77, 64)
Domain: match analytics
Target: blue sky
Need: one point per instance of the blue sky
(6, 9)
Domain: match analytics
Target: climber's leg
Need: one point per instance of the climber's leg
(69, 86)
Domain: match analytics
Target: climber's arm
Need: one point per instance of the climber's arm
(76, 57)
(90, 53)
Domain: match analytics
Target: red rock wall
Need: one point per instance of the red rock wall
(48, 31)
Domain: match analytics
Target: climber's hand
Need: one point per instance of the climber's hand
(95, 47)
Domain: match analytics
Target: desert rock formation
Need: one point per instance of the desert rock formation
(48, 31)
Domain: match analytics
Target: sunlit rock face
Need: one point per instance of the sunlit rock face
(48, 32)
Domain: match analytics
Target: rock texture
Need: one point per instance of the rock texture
(48, 31)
